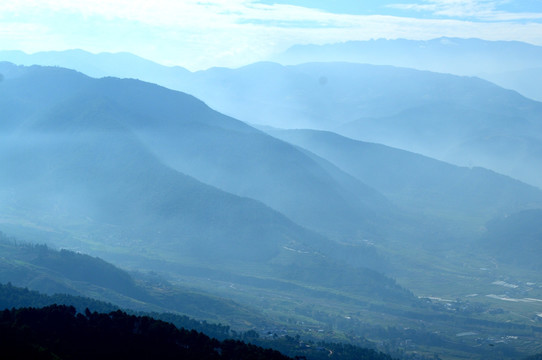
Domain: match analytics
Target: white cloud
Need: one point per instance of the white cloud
(487, 10)
(202, 33)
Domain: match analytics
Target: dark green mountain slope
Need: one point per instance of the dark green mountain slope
(419, 183)
(13, 297)
(41, 268)
(16, 297)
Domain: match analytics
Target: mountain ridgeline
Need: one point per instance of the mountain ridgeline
(510, 64)
(462, 120)
(458, 119)
(417, 182)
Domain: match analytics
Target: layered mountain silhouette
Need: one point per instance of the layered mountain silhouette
(444, 55)
(466, 121)
(507, 63)
(85, 158)
(185, 134)
(76, 161)
(458, 119)
(122, 65)
(417, 182)
(131, 138)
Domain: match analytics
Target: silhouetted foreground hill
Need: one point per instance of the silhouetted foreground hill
(61, 308)
(59, 332)
(18, 297)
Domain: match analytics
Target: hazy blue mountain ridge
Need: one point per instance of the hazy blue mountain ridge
(504, 62)
(187, 135)
(124, 65)
(79, 166)
(418, 182)
(446, 54)
(463, 120)
(525, 81)
(77, 159)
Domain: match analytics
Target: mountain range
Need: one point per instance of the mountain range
(458, 119)
(461, 120)
(512, 64)
(79, 159)
(413, 181)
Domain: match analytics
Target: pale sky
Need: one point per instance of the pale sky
(198, 34)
